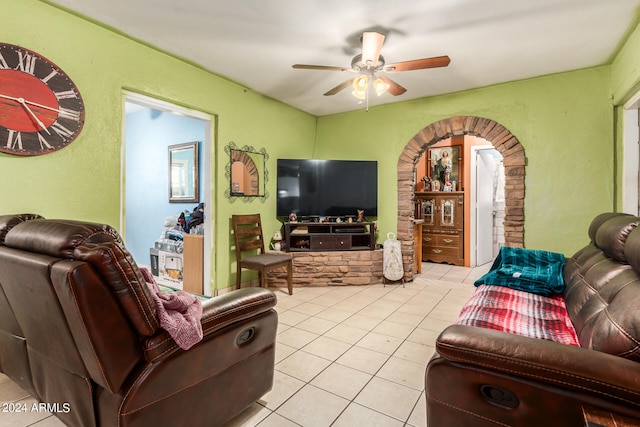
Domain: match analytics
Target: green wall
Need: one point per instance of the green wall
(564, 122)
(82, 181)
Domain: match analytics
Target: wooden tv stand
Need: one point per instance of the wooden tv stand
(329, 236)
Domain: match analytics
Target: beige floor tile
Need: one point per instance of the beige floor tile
(285, 304)
(387, 302)
(400, 295)
(50, 421)
(275, 420)
(403, 372)
(373, 312)
(10, 391)
(362, 322)
(302, 365)
(309, 308)
(418, 416)
(283, 350)
(341, 380)
(423, 336)
(313, 407)
(346, 333)
(421, 309)
(363, 359)
(327, 348)
(393, 329)
(296, 338)
(325, 300)
(357, 415)
(334, 314)
(406, 318)
(434, 324)
(389, 398)
(251, 416)
(448, 313)
(284, 386)
(380, 343)
(414, 352)
(316, 325)
(291, 317)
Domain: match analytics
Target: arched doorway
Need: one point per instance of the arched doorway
(514, 166)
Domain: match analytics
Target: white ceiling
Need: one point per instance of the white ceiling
(255, 42)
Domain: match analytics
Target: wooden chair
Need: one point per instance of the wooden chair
(247, 233)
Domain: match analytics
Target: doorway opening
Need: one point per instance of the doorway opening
(150, 126)
(514, 162)
(487, 204)
(631, 162)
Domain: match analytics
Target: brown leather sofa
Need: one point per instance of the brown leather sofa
(481, 377)
(79, 332)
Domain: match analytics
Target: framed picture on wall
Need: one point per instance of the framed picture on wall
(445, 165)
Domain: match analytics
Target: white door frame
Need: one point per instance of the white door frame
(206, 188)
(631, 156)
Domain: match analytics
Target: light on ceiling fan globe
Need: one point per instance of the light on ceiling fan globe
(381, 86)
(360, 83)
(359, 93)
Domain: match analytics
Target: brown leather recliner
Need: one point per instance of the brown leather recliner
(79, 332)
(481, 377)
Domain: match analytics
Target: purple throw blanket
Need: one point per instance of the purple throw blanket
(179, 313)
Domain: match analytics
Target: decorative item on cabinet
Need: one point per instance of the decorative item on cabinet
(442, 226)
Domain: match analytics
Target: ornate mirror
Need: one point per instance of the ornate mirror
(183, 173)
(247, 171)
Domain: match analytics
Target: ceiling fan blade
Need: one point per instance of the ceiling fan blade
(338, 88)
(320, 67)
(394, 88)
(418, 64)
(371, 47)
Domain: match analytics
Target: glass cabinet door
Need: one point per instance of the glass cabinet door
(448, 214)
(428, 211)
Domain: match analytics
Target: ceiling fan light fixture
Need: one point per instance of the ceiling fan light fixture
(381, 86)
(361, 82)
(360, 93)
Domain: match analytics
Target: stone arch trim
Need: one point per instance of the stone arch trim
(514, 163)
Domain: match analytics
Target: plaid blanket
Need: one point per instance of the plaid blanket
(518, 312)
(528, 270)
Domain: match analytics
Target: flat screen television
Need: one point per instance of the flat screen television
(327, 188)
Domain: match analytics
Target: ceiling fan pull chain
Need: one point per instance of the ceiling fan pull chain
(366, 97)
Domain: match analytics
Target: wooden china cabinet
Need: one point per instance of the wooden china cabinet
(442, 227)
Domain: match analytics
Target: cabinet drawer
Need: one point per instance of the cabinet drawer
(448, 255)
(330, 243)
(448, 240)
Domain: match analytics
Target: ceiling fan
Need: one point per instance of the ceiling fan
(370, 65)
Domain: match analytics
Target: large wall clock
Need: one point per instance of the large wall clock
(41, 109)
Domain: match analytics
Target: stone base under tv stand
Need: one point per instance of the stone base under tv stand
(332, 268)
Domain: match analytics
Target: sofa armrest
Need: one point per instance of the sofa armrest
(217, 313)
(607, 376)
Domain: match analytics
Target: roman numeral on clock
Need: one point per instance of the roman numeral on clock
(62, 131)
(26, 62)
(67, 113)
(14, 140)
(65, 94)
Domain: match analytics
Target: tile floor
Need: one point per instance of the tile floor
(345, 356)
